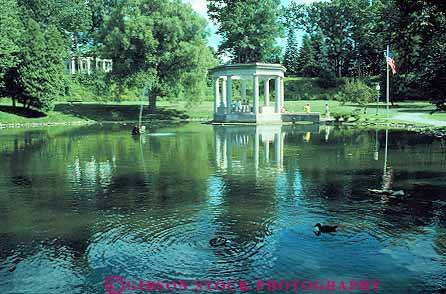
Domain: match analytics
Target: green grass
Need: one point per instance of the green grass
(437, 116)
(129, 111)
(97, 111)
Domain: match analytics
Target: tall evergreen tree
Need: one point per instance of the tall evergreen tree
(307, 61)
(249, 29)
(11, 30)
(41, 69)
(290, 60)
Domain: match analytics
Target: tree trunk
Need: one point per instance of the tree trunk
(13, 103)
(152, 102)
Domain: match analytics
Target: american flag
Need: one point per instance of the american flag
(390, 61)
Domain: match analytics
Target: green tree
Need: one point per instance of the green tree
(11, 30)
(73, 18)
(290, 59)
(41, 71)
(307, 62)
(249, 29)
(158, 44)
(100, 10)
(356, 91)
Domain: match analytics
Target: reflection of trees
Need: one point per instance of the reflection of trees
(82, 174)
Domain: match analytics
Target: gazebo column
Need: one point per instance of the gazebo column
(266, 92)
(282, 93)
(223, 92)
(73, 66)
(216, 94)
(88, 66)
(229, 94)
(256, 94)
(278, 96)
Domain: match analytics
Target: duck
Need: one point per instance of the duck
(218, 241)
(318, 229)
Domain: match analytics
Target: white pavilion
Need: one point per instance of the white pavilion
(228, 110)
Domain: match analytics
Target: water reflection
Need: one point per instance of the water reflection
(79, 205)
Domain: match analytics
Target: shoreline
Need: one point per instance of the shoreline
(436, 131)
(31, 125)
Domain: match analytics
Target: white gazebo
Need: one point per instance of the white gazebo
(227, 109)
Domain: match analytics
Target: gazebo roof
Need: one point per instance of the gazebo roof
(240, 69)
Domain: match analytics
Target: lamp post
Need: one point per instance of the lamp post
(377, 97)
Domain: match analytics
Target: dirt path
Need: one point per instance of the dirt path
(416, 118)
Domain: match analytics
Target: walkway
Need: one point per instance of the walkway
(416, 117)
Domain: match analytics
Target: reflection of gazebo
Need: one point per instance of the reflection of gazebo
(227, 110)
(248, 138)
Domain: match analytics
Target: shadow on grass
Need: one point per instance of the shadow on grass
(105, 112)
(20, 111)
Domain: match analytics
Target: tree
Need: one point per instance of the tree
(11, 30)
(100, 9)
(290, 59)
(40, 72)
(249, 29)
(357, 92)
(307, 62)
(160, 45)
(73, 18)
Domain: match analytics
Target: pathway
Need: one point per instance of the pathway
(416, 117)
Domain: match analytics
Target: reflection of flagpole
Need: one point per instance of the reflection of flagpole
(387, 90)
(385, 152)
(376, 153)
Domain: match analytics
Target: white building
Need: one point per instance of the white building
(85, 65)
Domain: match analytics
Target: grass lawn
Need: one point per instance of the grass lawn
(437, 116)
(129, 111)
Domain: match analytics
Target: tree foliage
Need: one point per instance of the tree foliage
(290, 60)
(159, 44)
(31, 59)
(40, 73)
(356, 91)
(249, 29)
(11, 30)
(356, 32)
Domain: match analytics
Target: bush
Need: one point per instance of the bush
(357, 92)
(347, 116)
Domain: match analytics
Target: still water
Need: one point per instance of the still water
(80, 204)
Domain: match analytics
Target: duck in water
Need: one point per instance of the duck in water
(218, 241)
(318, 229)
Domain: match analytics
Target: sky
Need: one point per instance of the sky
(214, 40)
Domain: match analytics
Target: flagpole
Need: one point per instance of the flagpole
(388, 83)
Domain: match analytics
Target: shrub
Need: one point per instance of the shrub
(357, 92)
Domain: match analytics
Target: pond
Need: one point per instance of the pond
(80, 204)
